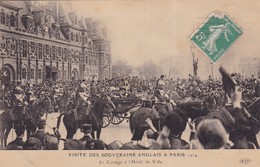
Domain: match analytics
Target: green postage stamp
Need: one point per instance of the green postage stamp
(216, 35)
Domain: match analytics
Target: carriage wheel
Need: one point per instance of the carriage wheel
(106, 121)
(117, 119)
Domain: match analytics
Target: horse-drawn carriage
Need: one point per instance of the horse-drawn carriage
(123, 110)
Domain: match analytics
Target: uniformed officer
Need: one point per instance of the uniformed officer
(18, 104)
(161, 79)
(163, 104)
(93, 90)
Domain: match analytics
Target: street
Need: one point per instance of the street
(109, 134)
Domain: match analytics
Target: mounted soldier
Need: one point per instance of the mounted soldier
(29, 96)
(18, 104)
(93, 90)
(163, 104)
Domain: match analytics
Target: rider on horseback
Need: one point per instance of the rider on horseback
(163, 104)
(18, 99)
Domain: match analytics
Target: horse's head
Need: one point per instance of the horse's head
(42, 105)
(193, 108)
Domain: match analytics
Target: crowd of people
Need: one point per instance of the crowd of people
(207, 133)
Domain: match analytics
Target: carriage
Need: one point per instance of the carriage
(124, 108)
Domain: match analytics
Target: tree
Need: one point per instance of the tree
(121, 69)
(149, 70)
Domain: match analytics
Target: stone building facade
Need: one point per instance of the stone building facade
(42, 40)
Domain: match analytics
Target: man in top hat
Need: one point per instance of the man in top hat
(87, 138)
(40, 133)
(162, 78)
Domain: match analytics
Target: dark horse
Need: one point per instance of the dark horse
(28, 118)
(75, 118)
(187, 108)
(63, 101)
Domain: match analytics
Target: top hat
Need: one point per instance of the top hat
(41, 122)
(162, 76)
(86, 128)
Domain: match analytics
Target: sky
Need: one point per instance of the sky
(159, 30)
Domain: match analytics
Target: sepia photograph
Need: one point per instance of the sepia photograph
(129, 83)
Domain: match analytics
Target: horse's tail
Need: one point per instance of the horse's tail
(131, 124)
(58, 121)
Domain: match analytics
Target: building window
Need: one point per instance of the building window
(12, 47)
(59, 53)
(40, 50)
(3, 45)
(2, 16)
(71, 36)
(23, 73)
(32, 47)
(47, 49)
(32, 73)
(65, 74)
(86, 60)
(39, 73)
(47, 53)
(53, 53)
(25, 49)
(77, 38)
(59, 74)
(65, 55)
(12, 20)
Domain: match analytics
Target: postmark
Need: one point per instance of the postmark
(216, 35)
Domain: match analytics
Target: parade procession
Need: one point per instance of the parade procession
(61, 91)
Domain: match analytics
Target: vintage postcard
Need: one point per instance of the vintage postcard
(129, 83)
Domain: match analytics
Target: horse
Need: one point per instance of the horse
(63, 101)
(188, 108)
(35, 112)
(28, 118)
(75, 118)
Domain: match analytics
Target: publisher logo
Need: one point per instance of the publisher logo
(245, 161)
